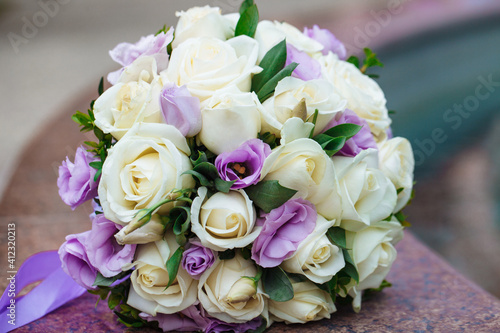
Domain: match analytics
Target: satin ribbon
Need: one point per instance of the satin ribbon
(56, 289)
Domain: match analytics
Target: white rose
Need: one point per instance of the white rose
(150, 232)
(373, 253)
(316, 257)
(201, 22)
(229, 118)
(364, 96)
(368, 196)
(141, 169)
(397, 163)
(206, 65)
(302, 165)
(225, 220)
(269, 34)
(216, 284)
(150, 277)
(134, 99)
(288, 101)
(309, 303)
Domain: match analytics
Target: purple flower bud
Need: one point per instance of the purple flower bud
(75, 261)
(284, 229)
(308, 68)
(361, 141)
(180, 109)
(244, 164)
(126, 53)
(76, 180)
(197, 259)
(104, 253)
(328, 40)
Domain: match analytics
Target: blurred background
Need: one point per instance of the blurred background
(441, 77)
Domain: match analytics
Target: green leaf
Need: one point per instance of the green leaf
(96, 165)
(101, 281)
(100, 90)
(399, 190)
(270, 139)
(261, 328)
(272, 63)
(371, 59)
(350, 267)
(198, 158)
(181, 217)
(336, 235)
(227, 255)
(207, 169)
(268, 195)
(277, 284)
(223, 186)
(345, 130)
(163, 29)
(354, 60)
(201, 178)
(246, 252)
(268, 89)
(113, 301)
(245, 5)
(173, 264)
(314, 120)
(247, 24)
(330, 145)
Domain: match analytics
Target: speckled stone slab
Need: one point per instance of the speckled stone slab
(427, 296)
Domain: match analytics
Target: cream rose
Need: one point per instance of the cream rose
(373, 253)
(225, 220)
(201, 22)
(219, 284)
(141, 169)
(296, 98)
(316, 257)
(308, 304)
(134, 99)
(207, 64)
(269, 34)
(302, 165)
(150, 277)
(229, 118)
(363, 94)
(397, 162)
(368, 196)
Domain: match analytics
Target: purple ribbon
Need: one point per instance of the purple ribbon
(56, 289)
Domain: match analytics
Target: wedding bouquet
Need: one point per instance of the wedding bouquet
(244, 173)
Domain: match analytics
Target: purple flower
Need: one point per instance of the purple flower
(197, 259)
(328, 40)
(75, 261)
(194, 318)
(244, 164)
(76, 180)
(218, 326)
(103, 251)
(126, 53)
(180, 109)
(284, 228)
(308, 68)
(361, 141)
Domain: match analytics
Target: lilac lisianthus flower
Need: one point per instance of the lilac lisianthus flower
(308, 68)
(326, 38)
(197, 259)
(103, 251)
(244, 164)
(180, 109)
(361, 141)
(151, 45)
(284, 229)
(194, 318)
(76, 180)
(75, 261)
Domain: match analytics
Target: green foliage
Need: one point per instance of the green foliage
(370, 61)
(101, 281)
(336, 235)
(227, 255)
(247, 24)
(268, 89)
(270, 139)
(104, 140)
(334, 139)
(173, 264)
(261, 328)
(277, 284)
(244, 6)
(205, 174)
(268, 195)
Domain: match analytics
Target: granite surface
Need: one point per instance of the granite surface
(427, 296)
